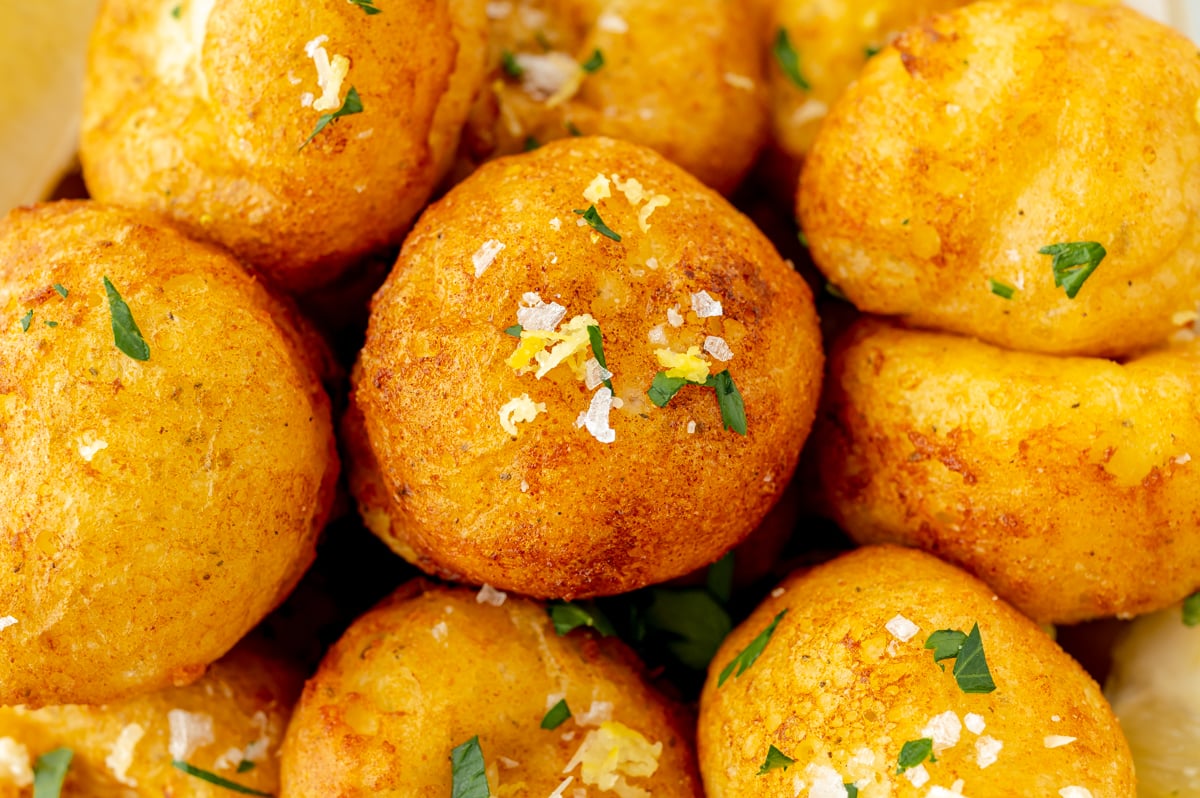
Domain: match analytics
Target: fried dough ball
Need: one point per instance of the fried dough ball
(167, 453)
(505, 460)
(846, 688)
(432, 668)
(982, 137)
(1061, 482)
(1154, 688)
(229, 724)
(683, 77)
(203, 110)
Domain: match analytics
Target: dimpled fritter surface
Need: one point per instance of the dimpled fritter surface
(988, 133)
(1061, 482)
(550, 510)
(199, 109)
(123, 749)
(683, 77)
(431, 668)
(152, 511)
(840, 694)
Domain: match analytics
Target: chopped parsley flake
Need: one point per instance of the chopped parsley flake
(557, 715)
(1191, 610)
(733, 409)
(851, 790)
(664, 388)
(572, 129)
(595, 62)
(775, 759)
(177, 11)
(508, 62)
(351, 105)
(789, 59)
(26, 320)
(694, 623)
(49, 772)
(571, 615)
(870, 51)
(597, 342)
(748, 655)
(802, 237)
(914, 752)
(515, 330)
(592, 217)
(469, 777)
(1074, 263)
(368, 6)
(720, 578)
(126, 334)
(51, 324)
(213, 778)
(531, 143)
(1003, 290)
(245, 766)
(60, 290)
(835, 292)
(970, 664)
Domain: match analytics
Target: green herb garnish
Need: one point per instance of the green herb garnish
(695, 624)
(593, 63)
(664, 388)
(26, 320)
(789, 59)
(51, 323)
(571, 128)
(945, 644)
(851, 790)
(1191, 610)
(508, 62)
(515, 330)
(870, 51)
(557, 715)
(970, 664)
(592, 217)
(747, 656)
(733, 409)
(60, 290)
(775, 759)
(49, 772)
(351, 105)
(367, 6)
(914, 752)
(802, 237)
(571, 615)
(469, 777)
(177, 11)
(835, 292)
(245, 766)
(531, 143)
(1003, 290)
(126, 334)
(597, 342)
(213, 778)
(719, 579)
(1073, 263)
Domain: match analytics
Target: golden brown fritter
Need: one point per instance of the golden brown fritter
(433, 667)
(845, 682)
(1067, 484)
(201, 110)
(495, 467)
(154, 510)
(985, 135)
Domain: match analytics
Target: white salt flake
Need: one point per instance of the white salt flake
(739, 81)
(674, 317)
(974, 723)
(957, 786)
(705, 306)
(15, 765)
(120, 756)
(716, 346)
(918, 775)
(595, 420)
(508, 763)
(1075, 792)
(612, 23)
(1183, 459)
(6, 622)
(826, 782)
(597, 713)
(944, 730)
(524, 486)
(539, 315)
(940, 792)
(189, 731)
(1055, 718)
(594, 374)
(902, 628)
(546, 75)
(691, 428)
(777, 592)
(89, 446)
(657, 335)
(1057, 740)
(498, 10)
(486, 255)
(556, 223)
(490, 595)
(987, 751)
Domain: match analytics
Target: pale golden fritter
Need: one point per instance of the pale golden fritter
(154, 509)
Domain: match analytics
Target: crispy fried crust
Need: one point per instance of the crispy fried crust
(432, 667)
(986, 134)
(1067, 484)
(153, 511)
(552, 511)
(833, 689)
